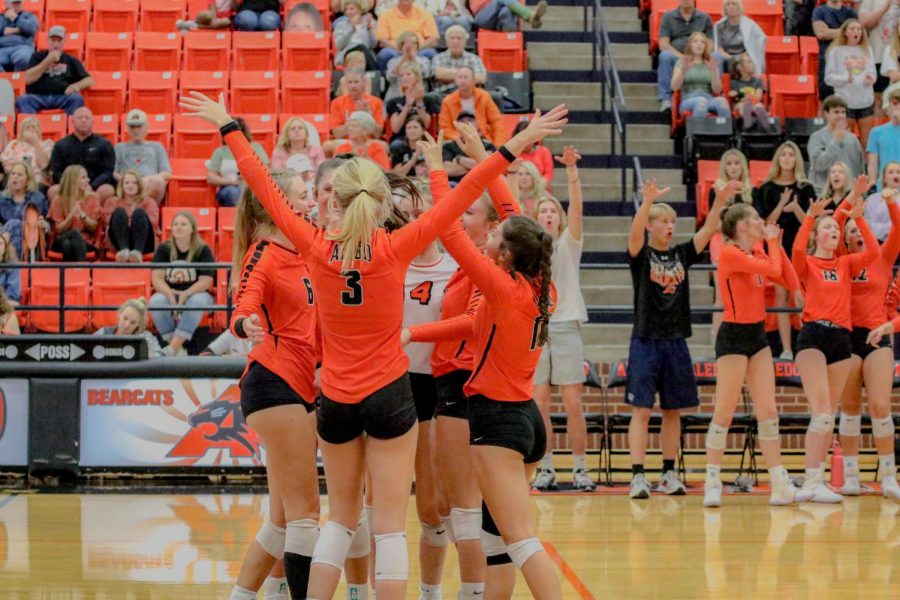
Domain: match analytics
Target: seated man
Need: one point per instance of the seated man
(54, 78)
(477, 102)
(17, 29)
(456, 163)
(445, 65)
(149, 159)
(405, 17)
(356, 99)
(83, 147)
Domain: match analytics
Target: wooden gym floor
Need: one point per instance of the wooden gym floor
(148, 547)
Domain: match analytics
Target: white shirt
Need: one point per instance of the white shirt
(880, 35)
(566, 274)
(423, 293)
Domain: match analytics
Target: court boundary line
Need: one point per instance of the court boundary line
(7, 500)
(568, 572)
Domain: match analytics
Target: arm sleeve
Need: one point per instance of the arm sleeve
(270, 196)
(78, 71)
(445, 121)
(502, 197)
(891, 247)
(57, 164)
(788, 278)
(798, 254)
(860, 260)
(836, 74)
(440, 185)
(455, 328)
(163, 157)
(249, 297)
(27, 24)
(109, 164)
(735, 261)
(840, 218)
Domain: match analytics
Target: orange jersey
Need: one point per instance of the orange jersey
(361, 308)
(270, 279)
(742, 280)
(827, 281)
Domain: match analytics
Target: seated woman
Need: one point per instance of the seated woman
(354, 31)
(411, 102)
(404, 155)
(132, 320)
(29, 148)
(10, 277)
(20, 193)
(736, 34)
(9, 322)
(75, 216)
(360, 126)
(293, 141)
(747, 92)
(408, 44)
(182, 284)
(132, 217)
(697, 76)
(530, 187)
(222, 172)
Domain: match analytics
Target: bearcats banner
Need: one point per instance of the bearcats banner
(165, 422)
(13, 422)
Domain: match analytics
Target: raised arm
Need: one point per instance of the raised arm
(798, 253)
(861, 260)
(734, 260)
(249, 296)
(711, 225)
(501, 195)
(788, 278)
(890, 249)
(650, 194)
(455, 328)
(575, 213)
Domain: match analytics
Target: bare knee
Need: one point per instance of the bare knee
(640, 415)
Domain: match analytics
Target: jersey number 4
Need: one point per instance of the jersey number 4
(353, 296)
(422, 292)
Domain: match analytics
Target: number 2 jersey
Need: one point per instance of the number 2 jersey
(422, 299)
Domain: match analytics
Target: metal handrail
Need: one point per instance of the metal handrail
(611, 90)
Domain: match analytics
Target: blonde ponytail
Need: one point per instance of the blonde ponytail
(362, 191)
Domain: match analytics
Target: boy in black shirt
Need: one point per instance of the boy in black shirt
(659, 360)
(54, 78)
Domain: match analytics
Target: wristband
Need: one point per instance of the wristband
(229, 127)
(504, 151)
(239, 328)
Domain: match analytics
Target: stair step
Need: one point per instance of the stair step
(619, 334)
(553, 56)
(618, 241)
(577, 96)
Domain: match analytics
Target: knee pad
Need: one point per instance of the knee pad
(716, 437)
(391, 557)
(768, 429)
(522, 550)
(333, 545)
(851, 425)
(494, 549)
(466, 523)
(822, 423)
(445, 521)
(271, 538)
(883, 427)
(361, 544)
(302, 537)
(434, 535)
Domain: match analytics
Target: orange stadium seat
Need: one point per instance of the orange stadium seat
(106, 126)
(711, 7)
(707, 172)
(306, 91)
(210, 83)
(157, 51)
(161, 15)
(759, 170)
(207, 51)
(44, 290)
(35, 6)
(781, 55)
(114, 16)
(17, 79)
(152, 91)
(306, 50)
(74, 15)
(194, 138)
(113, 287)
(188, 186)
(225, 246)
(809, 54)
(255, 50)
(794, 96)
(159, 129)
(768, 14)
(502, 51)
(206, 221)
(319, 121)
(264, 130)
(74, 43)
(254, 91)
(107, 51)
(53, 125)
(107, 95)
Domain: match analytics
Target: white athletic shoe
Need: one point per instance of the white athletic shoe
(783, 494)
(851, 486)
(818, 493)
(712, 493)
(640, 487)
(582, 482)
(671, 485)
(890, 489)
(545, 480)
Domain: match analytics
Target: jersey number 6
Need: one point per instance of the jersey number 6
(354, 295)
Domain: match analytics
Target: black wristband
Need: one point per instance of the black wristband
(229, 127)
(239, 328)
(507, 154)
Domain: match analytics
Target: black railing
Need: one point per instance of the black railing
(612, 96)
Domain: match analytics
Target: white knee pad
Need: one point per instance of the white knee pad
(333, 545)
(494, 548)
(522, 550)
(768, 430)
(883, 427)
(850, 425)
(716, 437)
(271, 538)
(445, 521)
(466, 523)
(822, 423)
(302, 537)
(391, 557)
(362, 539)
(434, 535)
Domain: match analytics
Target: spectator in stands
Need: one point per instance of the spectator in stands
(149, 159)
(474, 101)
(405, 155)
(409, 48)
(9, 322)
(17, 30)
(839, 184)
(411, 101)
(531, 187)
(258, 15)
(747, 91)
(456, 163)
(83, 147)
(355, 100)
(21, 192)
(698, 74)
(75, 216)
(54, 78)
(357, 60)
(884, 141)
(222, 171)
(360, 129)
(876, 213)
(445, 65)
(783, 199)
(504, 15)
(405, 17)
(850, 70)
(227, 344)
(833, 143)
(355, 31)
(736, 34)
(304, 17)
(537, 154)
(182, 284)
(29, 147)
(890, 57)
(132, 320)
(132, 218)
(10, 277)
(827, 20)
(675, 28)
(448, 13)
(217, 15)
(293, 143)
(880, 18)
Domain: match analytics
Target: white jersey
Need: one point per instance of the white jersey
(422, 297)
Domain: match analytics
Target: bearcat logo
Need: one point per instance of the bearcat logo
(218, 425)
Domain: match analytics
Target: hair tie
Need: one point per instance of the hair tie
(363, 190)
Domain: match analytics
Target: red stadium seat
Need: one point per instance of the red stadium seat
(502, 51)
(768, 14)
(794, 96)
(37, 7)
(188, 186)
(321, 122)
(305, 92)
(107, 51)
(17, 79)
(781, 55)
(74, 15)
(255, 50)
(159, 129)
(264, 130)
(210, 83)
(45, 291)
(206, 221)
(207, 51)
(759, 170)
(107, 95)
(510, 122)
(74, 43)
(194, 138)
(254, 91)
(152, 91)
(161, 15)
(809, 55)
(53, 125)
(106, 126)
(225, 244)
(157, 51)
(114, 16)
(711, 7)
(113, 287)
(306, 50)
(707, 172)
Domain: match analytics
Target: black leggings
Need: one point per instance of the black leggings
(72, 246)
(137, 235)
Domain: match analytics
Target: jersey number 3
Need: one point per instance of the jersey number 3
(422, 292)
(353, 296)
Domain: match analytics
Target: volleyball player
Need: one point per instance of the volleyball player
(887, 468)
(824, 344)
(277, 388)
(364, 382)
(742, 350)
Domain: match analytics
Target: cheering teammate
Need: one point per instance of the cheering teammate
(824, 343)
(742, 350)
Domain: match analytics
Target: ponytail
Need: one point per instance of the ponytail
(362, 191)
(546, 278)
(532, 254)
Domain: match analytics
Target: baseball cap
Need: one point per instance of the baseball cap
(465, 115)
(57, 31)
(136, 117)
(300, 163)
